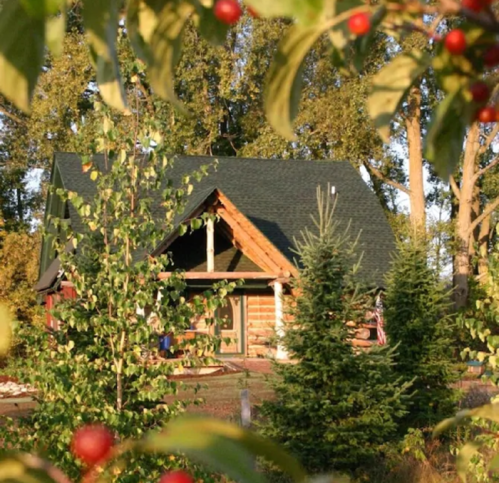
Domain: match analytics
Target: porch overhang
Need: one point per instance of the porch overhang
(222, 275)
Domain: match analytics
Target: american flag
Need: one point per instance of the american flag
(380, 324)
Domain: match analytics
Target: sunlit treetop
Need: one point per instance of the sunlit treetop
(460, 58)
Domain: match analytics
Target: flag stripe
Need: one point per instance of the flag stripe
(380, 324)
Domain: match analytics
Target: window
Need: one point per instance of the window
(227, 315)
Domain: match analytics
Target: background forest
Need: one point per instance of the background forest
(222, 86)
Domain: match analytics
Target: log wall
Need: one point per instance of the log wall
(260, 324)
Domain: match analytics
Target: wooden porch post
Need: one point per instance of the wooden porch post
(210, 245)
(279, 322)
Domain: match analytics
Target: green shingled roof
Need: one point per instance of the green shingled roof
(277, 196)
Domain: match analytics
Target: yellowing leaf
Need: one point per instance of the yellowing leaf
(444, 140)
(41, 8)
(464, 458)
(488, 411)
(85, 167)
(391, 84)
(141, 21)
(101, 22)
(21, 53)
(303, 11)
(283, 89)
(5, 329)
(165, 47)
(225, 447)
(11, 469)
(55, 28)
(94, 175)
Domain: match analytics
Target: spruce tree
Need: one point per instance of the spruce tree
(335, 405)
(417, 322)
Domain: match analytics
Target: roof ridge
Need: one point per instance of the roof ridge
(226, 158)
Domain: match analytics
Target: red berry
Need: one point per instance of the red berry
(480, 91)
(455, 42)
(253, 12)
(486, 114)
(359, 24)
(491, 56)
(178, 476)
(475, 5)
(92, 444)
(228, 11)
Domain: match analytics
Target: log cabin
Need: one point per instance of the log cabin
(262, 205)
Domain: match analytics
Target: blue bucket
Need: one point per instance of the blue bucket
(165, 342)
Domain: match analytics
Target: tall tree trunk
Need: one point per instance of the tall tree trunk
(475, 213)
(483, 243)
(19, 205)
(416, 179)
(462, 258)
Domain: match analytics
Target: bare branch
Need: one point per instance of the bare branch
(489, 139)
(11, 116)
(486, 212)
(455, 187)
(482, 171)
(386, 180)
(436, 22)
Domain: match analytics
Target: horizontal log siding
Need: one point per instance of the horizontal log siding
(260, 323)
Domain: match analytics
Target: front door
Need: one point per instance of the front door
(231, 325)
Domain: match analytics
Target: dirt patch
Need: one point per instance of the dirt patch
(221, 396)
(15, 410)
(261, 366)
(220, 372)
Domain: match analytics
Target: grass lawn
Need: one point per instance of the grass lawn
(222, 394)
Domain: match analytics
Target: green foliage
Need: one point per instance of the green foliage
(479, 457)
(444, 142)
(482, 320)
(336, 405)
(101, 364)
(417, 324)
(226, 80)
(21, 52)
(283, 92)
(390, 86)
(19, 252)
(222, 446)
(156, 32)
(5, 330)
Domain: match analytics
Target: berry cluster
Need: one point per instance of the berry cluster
(229, 12)
(456, 44)
(93, 444)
